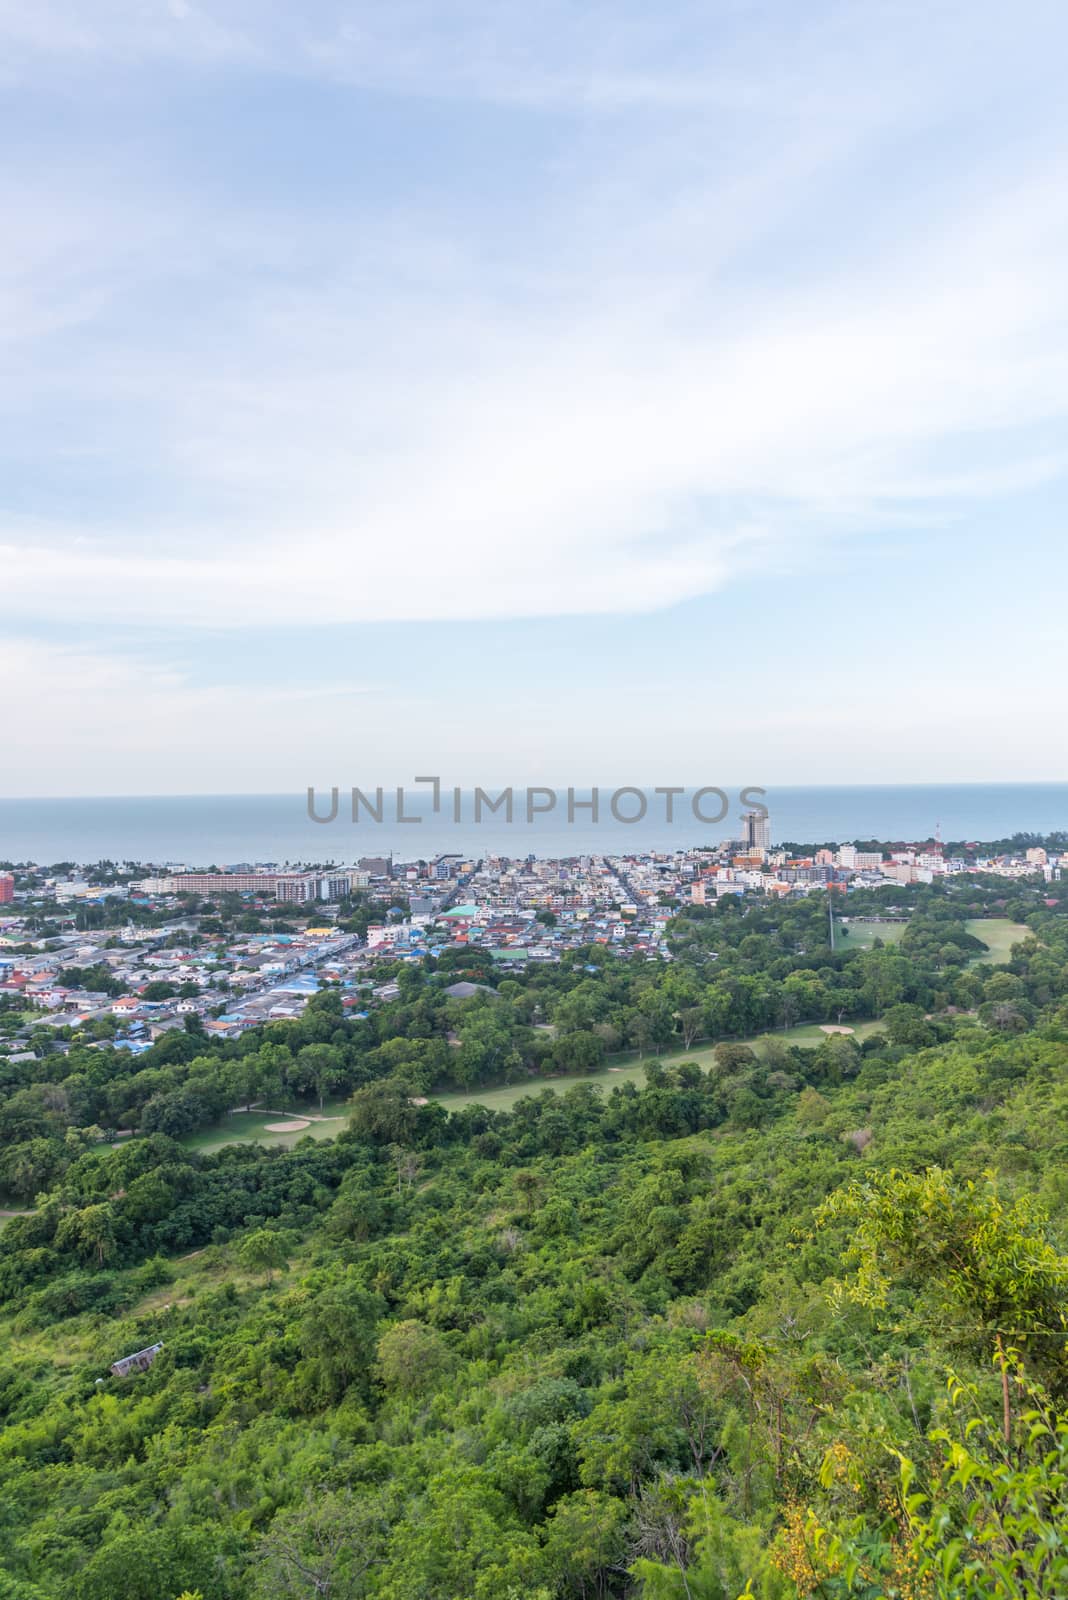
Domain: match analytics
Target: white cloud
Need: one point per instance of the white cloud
(667, 374)
(90, 721)
(615, 458)
(86, 721)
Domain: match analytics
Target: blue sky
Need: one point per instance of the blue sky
(561, 393)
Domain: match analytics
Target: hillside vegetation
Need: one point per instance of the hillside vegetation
(792, 1325)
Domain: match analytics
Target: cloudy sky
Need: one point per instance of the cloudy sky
(556, 392)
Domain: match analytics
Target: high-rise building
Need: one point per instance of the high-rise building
(7, 888)
(377, 866)
(295, 888)
(335, 885)
(757, 830)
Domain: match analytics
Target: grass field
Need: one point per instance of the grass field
(241, 1127)
(999, 933)
(862, 935)
(629, 1070)
(244, 1127)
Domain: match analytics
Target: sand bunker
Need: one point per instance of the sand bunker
(834, 1027)
(286, 1127)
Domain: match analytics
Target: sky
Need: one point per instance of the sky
(562, 393)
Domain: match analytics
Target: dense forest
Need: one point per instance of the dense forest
(787, 1322)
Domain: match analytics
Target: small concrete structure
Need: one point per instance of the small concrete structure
(140, 1361)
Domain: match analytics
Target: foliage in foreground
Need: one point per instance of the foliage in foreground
(790, 1327)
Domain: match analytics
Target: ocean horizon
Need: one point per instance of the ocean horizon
(221, 830)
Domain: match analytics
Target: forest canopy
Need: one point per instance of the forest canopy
(786, 1321)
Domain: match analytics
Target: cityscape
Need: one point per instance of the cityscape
(459, 1140)
(515, 911)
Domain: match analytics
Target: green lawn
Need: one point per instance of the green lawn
(242, 1127)
(999, 933)
(862, 935)
(629, 1070)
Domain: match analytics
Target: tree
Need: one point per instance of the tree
(320, 1067)
(812, 1109)
(411, 1358)
(731, 1058)
(147, 1563)
(90, 1233)
(265, 1250)
(461, 1539)
(585, 1545)
(383, 1111)
(337, 1334)
(978, 1267)
(159, 989)
(990, 1522)
(408, 1164)
(324, 1547)
(691, 1021)
(581, 1051)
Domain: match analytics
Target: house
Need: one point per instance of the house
(140, 1361)
(465, 991)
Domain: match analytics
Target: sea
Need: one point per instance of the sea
(235, 830)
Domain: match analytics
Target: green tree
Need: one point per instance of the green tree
(977, 1266)
(323, 1548)
(411, 1358)
(265, 1250)
(338, 1336)
(90, 1233)
(989, 1523)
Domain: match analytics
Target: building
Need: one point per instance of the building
(140, 1361)
(72, 890)
(388, 933)
(296, 890)
(376, 866)
(210, 883)
(757, 835)
(335, 885)
(293, 888)
(7, 888)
